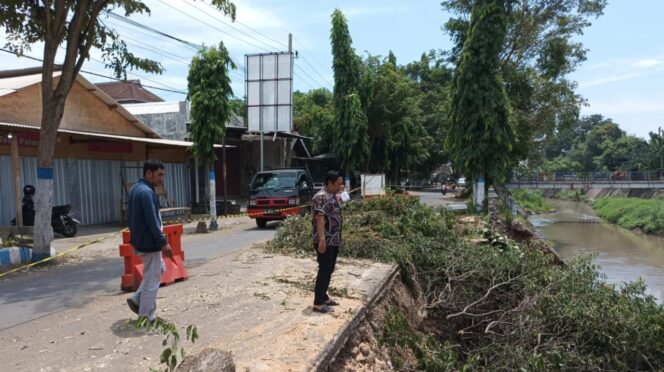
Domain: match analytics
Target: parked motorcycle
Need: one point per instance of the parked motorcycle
(62, 220)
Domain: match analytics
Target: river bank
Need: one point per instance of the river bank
(641, 211)
(472, 298)
(622, 255)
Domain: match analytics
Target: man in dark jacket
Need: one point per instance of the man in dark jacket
(147, 237)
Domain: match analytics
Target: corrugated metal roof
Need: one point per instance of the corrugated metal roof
(155, 141)
(152, 107)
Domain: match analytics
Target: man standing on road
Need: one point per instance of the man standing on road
(147, 237)
(327, 225)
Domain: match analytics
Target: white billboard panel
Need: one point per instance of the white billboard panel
(372, 184)
(269, 92)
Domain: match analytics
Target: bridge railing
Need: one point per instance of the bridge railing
(591, 177)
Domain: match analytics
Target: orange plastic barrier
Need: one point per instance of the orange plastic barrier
(133, 264)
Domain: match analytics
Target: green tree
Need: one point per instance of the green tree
(398, 140)
(627, 153)
(589, 152)
(433, 78)
(481, 138)
(350, 141)
(76, 26)
(211, 96)
(540, 49)
(313, 117)
(655, 156)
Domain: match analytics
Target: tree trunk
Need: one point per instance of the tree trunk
(52, 112)
(478, 191)
(213, 197)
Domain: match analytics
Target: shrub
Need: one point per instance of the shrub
(531, 200)
(500, 306)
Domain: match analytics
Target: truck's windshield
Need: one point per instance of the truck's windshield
(274, 181)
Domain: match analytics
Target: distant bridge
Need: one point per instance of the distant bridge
(586, 180)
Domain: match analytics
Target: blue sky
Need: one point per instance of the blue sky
(623, 77)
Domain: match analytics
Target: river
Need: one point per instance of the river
(622, 255)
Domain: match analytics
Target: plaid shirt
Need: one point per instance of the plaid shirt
(327, 205)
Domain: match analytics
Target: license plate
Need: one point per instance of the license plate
(271, 212)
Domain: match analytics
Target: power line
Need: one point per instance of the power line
(140, 25)
(305, 73)
(316, 71)
(93, 73)
(211, 26)
(192, 45)
(220, 19)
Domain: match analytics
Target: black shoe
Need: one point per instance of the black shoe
(133, 306)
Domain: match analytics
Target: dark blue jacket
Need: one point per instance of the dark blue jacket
(144, 219)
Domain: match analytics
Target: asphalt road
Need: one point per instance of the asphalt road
(25, 297)
(436, 199)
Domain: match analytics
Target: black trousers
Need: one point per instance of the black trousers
(326, 263)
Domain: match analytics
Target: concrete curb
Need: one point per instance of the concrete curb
(327, 356)
(15, 256)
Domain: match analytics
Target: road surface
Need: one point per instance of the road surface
(28, 296)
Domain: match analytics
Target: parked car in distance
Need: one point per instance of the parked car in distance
(279, 193)
(461, 182)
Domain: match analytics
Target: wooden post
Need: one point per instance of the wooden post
(16, 168)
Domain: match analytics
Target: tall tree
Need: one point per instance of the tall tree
(77, 26)
(211, 99)
(540, 49)
(350, 141)
(481, 138)
(313, 117)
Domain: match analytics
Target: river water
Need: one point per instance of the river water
(621, 254)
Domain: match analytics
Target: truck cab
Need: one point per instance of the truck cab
(279, 193)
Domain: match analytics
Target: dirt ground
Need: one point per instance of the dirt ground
(256, 305)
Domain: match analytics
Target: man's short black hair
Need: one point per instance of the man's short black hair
(152, 165)
(332, 176)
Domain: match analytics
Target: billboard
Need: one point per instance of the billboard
(372, 184)
(269, 91)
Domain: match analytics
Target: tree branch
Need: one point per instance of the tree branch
(486, 295)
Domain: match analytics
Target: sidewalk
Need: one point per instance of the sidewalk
(256, 305)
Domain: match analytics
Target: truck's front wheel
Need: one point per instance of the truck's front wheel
(261, 223)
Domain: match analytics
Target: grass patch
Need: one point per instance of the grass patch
(632, 213)
(531, 200)
(573, 195)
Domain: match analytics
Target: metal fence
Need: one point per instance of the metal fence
(590, 177)
(92, 187)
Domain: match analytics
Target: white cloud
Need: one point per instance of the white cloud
(648, 63)
(372, 10)
(626, 106)
(612, 71)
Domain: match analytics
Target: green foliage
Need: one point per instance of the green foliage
(531, 200)
(350, 140)
(540, 49)
(481, 137)
(173, 355)
(596, 143)
(632, 213)
(313, 116)
(501, 306)
(210, 94)
(574, 195)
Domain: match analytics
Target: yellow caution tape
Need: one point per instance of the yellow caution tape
(170, 222)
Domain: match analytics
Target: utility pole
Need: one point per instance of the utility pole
(223, 172)
(16, 168)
